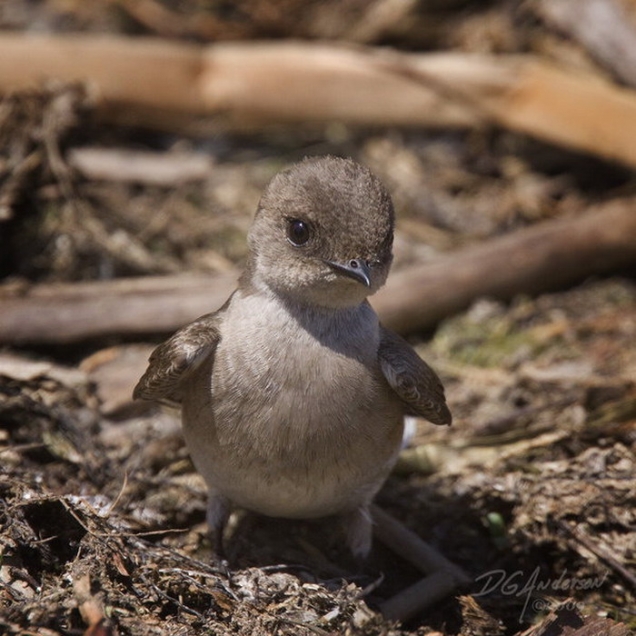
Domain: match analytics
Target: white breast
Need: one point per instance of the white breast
(300, 421)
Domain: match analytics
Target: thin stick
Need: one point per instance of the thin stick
(411, 548)
(600, 552)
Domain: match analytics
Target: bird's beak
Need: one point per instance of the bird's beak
(356, 268)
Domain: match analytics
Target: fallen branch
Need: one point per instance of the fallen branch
(444, 577)
(529, 261)
(537, 259)
(154, 168)
(69, 312)
(153, 82)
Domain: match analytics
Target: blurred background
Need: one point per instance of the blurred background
(136, 137)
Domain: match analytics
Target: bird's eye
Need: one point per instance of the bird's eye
(298, 232)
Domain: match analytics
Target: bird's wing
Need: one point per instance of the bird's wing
(412, 379)
(173, 361)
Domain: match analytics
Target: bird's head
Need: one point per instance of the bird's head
(323, 233)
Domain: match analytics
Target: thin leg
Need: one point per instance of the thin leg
(359, 529)
(217, 515)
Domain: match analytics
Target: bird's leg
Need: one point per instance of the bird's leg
(218, 513)
(442, 578)
(359, 530)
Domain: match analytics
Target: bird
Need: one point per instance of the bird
(293, 394)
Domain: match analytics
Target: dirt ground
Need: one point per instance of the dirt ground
(531, 491)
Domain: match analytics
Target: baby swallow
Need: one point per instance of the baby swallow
(293, 395)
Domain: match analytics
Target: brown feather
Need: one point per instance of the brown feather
(416, 384)
(174, 360)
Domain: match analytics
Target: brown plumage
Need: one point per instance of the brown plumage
(293, 395)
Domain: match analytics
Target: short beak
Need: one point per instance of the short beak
(355, 268)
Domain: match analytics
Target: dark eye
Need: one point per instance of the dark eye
(298, 232)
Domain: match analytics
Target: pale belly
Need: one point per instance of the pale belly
(290, 438)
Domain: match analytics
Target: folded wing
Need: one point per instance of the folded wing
(412, 379)
(173, 361)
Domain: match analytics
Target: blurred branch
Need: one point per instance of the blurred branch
(529, 261)
(252, 85)
(541, 258)
(69, 312)
(156, 168)
(601, 26)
